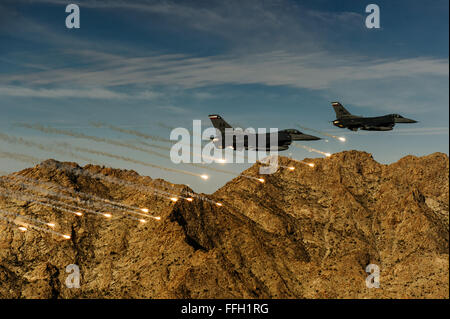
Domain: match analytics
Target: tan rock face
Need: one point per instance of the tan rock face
(306, 233)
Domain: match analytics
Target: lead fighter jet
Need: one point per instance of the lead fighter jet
(250, 141)
(344, 119)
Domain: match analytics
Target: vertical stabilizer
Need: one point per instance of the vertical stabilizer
(219, 123)
(341, 112)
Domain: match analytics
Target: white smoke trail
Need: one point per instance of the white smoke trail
(27, 225)
(34, 220)
(47, 148)
(131, 160)
(76, 208)
(310, 164)
(133, 132)
(12, 139)
(123, 158)
(160, 139)
(110, 203)
(29, 159)
(124, 183)
(43, 202)
(92, 138)
(20, 157)
(339, 138)
(147, 136)
(312, 149)
(33, 160)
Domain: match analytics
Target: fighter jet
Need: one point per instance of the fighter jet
(344, 119)
(250, 141)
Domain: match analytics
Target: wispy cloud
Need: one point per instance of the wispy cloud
(54, 93)
(304, 62)
(313, 71)
(350, 77)
(259, 24)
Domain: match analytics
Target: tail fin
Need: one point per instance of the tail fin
(219, 123)
(341, 112)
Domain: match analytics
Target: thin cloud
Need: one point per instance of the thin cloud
(97, 93)
(313, 71)
(406, 83)
(261, 25)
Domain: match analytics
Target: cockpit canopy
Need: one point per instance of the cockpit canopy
(397, 116)
(292, 131)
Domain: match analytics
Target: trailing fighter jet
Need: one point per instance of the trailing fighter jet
(344, 119)
(237, 139)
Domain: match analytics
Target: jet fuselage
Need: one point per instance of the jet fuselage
(378, 123)
(238, 139)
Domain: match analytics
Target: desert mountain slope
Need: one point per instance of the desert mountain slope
(306, 233)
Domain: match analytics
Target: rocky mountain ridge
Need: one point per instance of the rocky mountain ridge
(309, 232)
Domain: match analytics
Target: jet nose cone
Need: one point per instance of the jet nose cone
(405, 120)
(304, 137)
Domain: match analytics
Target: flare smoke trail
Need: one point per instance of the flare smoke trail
(34, 220)
(7, 220)
(51, 130)
(27, 159)
(128, 159)
(87, 210)
(27, 225)
(192, 153)
(93, 211)
(106, 202)
(18, 140)
(310, 164)
(49, 231)
(168, 127)
(154, 146)
(339, 138)
(10, 221)
(43, 202)
(146, 136)
(224, 171)
(165, 148)
(157, 138)
(107, 141)
(312, 149)
(20, 157)
(125, 183)
(62, 189)
(142, 135)
(133, 132)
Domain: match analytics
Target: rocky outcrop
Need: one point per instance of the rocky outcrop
(303, 233)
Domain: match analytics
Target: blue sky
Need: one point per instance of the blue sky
(278, 63)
